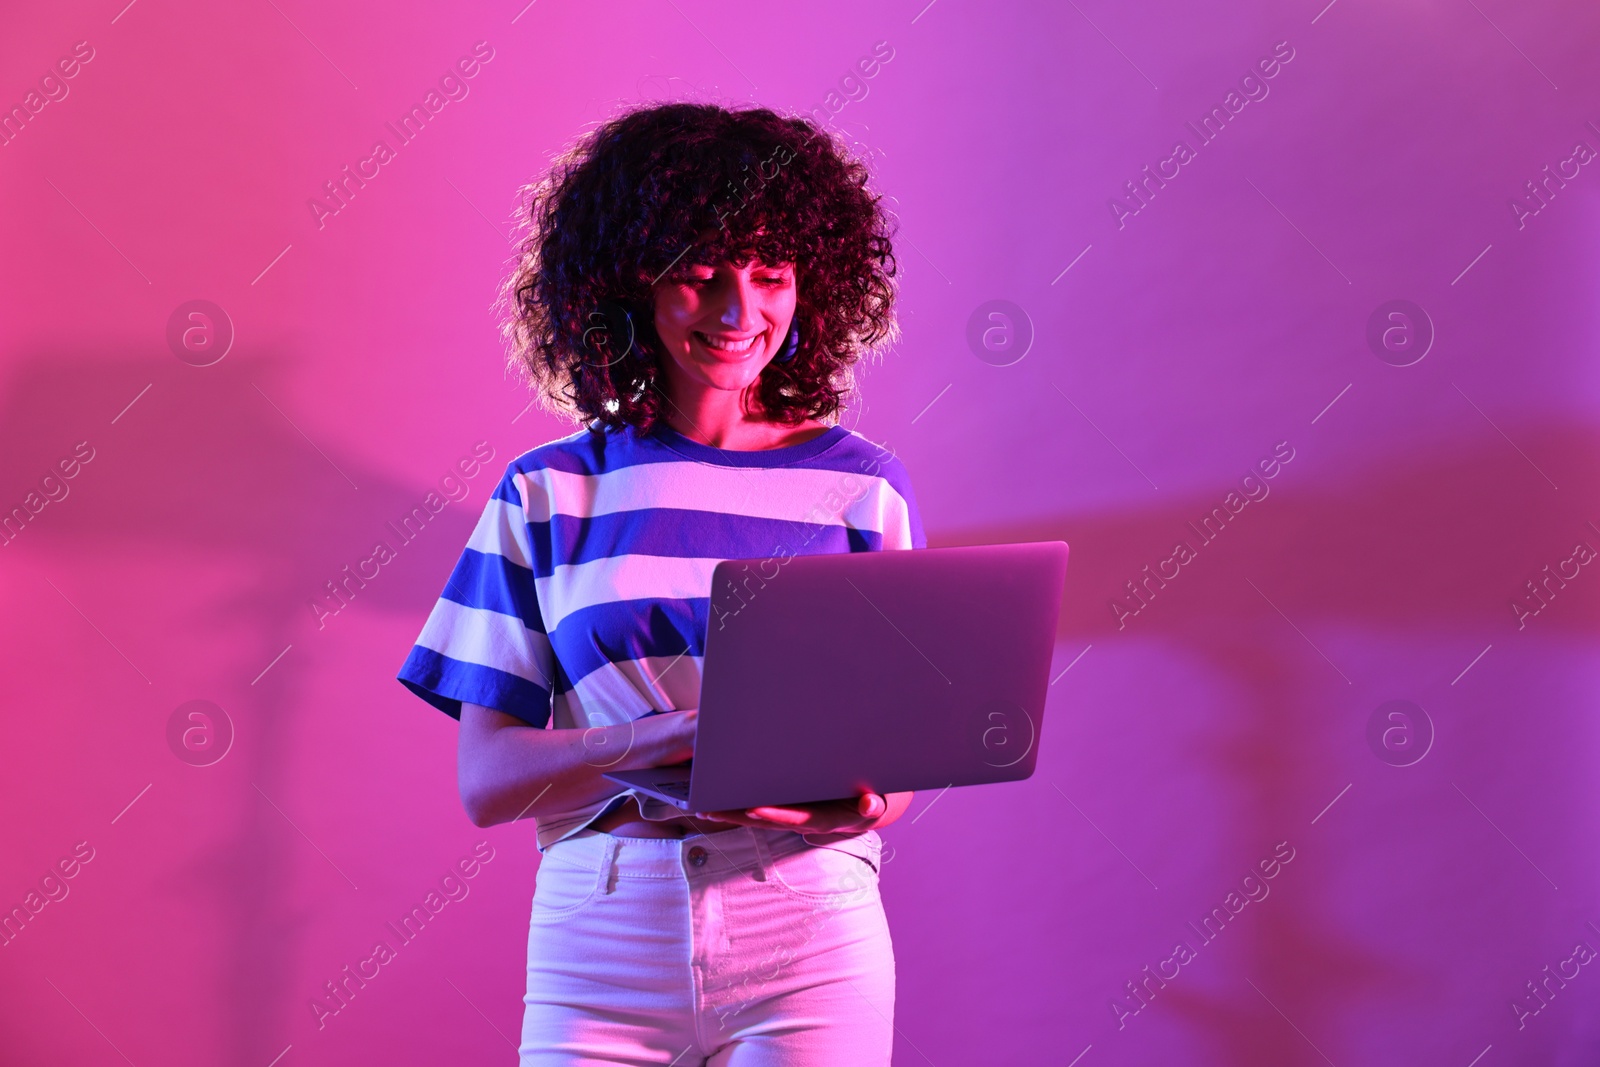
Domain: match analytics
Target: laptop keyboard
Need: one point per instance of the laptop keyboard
(673, 789)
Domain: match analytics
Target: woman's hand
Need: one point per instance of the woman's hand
(667, 736)
(508, 769)
(850, 816)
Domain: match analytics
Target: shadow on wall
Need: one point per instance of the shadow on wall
(201, 462)
(1426, 554)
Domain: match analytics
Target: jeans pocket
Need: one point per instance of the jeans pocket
(561, 890)
(825, 877)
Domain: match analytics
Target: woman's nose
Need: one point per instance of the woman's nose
(738, 313)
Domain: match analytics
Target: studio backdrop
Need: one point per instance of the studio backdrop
(1281, 314)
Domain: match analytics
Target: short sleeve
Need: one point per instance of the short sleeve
(484, 642)
(902, 520)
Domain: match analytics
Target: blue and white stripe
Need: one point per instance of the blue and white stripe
(581, 598)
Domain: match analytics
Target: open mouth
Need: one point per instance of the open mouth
(727, 345)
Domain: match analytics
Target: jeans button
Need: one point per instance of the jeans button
(697, 856)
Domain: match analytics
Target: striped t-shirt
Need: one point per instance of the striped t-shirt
(582, 596)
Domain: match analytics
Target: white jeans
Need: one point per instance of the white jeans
(742, 948)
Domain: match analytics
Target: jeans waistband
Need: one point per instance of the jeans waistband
(742, 849)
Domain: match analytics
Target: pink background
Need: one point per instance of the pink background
(1228, 315)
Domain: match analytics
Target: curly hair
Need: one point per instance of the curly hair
(658, 188)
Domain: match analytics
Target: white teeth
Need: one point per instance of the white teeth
(728, 346)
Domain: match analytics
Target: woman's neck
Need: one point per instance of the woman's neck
(723, 419)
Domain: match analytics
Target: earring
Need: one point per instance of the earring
(791, 344)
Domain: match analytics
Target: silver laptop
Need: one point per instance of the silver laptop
(900, 670)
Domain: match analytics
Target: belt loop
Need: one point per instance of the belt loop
(609, 873)
(763, 857)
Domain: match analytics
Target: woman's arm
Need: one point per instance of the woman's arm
(509, 770)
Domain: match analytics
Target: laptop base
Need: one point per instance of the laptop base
(669, 784)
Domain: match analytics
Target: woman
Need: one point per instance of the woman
(694, 285)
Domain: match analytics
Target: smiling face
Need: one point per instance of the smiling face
(721, 325)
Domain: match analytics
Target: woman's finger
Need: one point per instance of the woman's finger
(783, 816)
(822, 817)
(723, 816)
